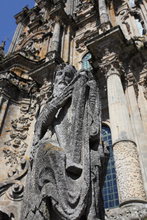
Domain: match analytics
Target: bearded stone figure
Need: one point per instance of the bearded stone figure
(65, 176)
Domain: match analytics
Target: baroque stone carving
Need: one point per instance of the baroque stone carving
(64, 180)
(12, 186)
(15, 147)
(24, 85)
(29, 50)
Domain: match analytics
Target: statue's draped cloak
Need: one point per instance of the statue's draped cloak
(64, 178)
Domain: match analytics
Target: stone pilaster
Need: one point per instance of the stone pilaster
(129, 178)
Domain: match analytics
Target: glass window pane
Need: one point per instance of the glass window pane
(110, 192)
(85, 62)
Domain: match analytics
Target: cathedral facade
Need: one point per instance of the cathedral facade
(107, 38)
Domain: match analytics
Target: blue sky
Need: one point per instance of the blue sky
(8, 8)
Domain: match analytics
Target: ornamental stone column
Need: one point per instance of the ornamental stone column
(55, 43)
(66, 45)
(3, 111)
(103, 12)
(140, 135)
(129, 178)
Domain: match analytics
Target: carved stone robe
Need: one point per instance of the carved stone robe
(65, 179)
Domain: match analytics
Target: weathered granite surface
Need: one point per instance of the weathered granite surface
(64, 181)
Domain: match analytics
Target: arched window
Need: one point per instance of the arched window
(110, 192)
(86, 61)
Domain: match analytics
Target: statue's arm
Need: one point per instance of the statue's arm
(48, 113)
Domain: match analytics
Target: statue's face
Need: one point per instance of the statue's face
(62, 79)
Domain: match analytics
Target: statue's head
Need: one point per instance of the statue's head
(64, 74)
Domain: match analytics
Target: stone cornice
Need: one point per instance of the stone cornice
(113, 39)
(17, 59)
(58, 13)
(21, 84)
(45, 70)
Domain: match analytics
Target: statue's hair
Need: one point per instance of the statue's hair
(63, 65)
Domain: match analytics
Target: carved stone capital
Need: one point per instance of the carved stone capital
(110, 64)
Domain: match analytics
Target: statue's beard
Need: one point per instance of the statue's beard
(58, 88)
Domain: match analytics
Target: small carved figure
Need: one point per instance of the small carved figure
(64, 181)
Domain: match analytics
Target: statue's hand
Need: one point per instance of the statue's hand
(61, 99)
(94, 132)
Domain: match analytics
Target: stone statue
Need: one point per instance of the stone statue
(64, 181)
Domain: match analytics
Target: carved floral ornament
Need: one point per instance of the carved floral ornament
(13, 154)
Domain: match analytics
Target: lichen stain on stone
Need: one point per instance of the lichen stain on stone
(52, 147)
